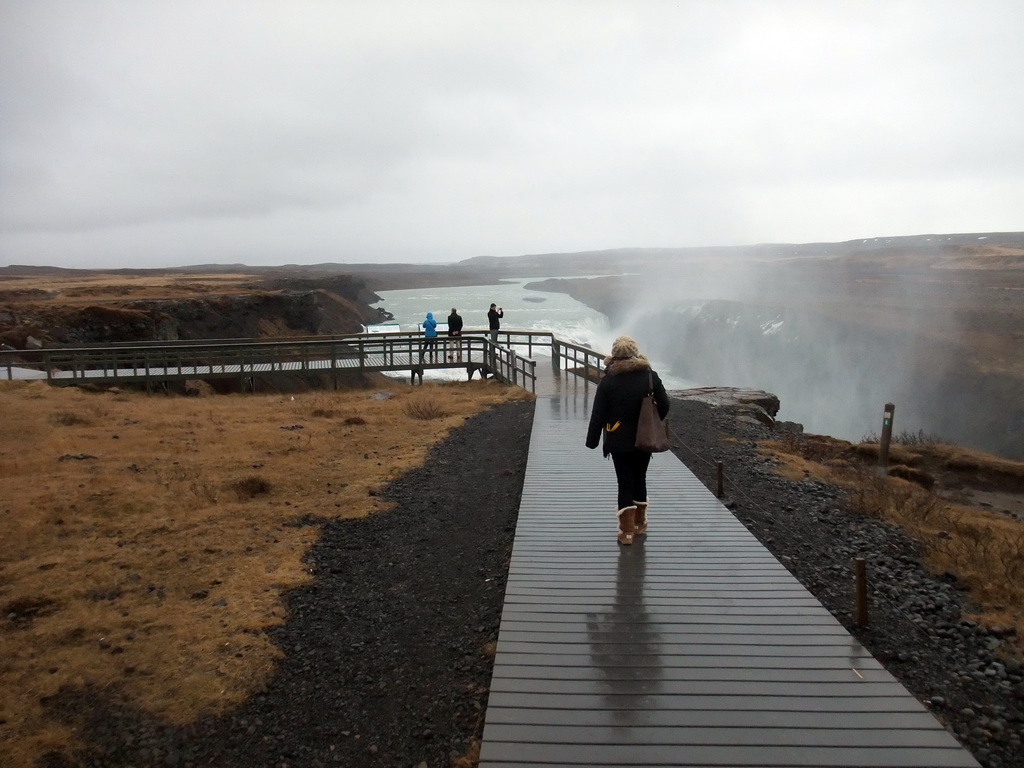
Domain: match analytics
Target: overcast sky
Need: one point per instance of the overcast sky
(174, 132)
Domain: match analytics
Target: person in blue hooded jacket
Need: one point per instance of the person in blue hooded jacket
(429, 337)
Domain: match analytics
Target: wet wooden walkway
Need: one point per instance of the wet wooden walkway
(694, 647)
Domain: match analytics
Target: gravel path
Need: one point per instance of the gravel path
(388, 651)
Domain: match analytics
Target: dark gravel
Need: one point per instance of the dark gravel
(386, 652)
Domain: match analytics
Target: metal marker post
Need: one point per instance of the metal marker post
(883, 446)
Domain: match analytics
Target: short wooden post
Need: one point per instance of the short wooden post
(861, 583)
(720, 489)
(883, 444)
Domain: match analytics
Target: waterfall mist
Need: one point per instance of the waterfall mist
(835, 340)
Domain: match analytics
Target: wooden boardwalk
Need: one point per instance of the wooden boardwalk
(157, 363)
(694, 647)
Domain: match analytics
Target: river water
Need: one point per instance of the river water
(525, 310)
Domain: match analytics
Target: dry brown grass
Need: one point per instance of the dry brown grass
(944, 456)
(984, 549)
(86, 287)
(471, 758)
(425, 408)
(156, 556)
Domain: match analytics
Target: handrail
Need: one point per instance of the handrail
(588, 362)
(530, 336)
(249, 358)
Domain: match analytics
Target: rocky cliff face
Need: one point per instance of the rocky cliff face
(332, 305)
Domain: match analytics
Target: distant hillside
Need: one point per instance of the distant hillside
(1003, 250)
(978, 250)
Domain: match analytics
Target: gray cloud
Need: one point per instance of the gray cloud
(177, 131)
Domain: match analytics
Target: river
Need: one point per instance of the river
(525, 310)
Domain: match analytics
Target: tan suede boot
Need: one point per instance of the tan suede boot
(627, 523)
(641, 517)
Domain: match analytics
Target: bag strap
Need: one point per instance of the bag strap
(650, 383)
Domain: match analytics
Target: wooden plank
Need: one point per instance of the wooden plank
(693, 610)
(694, 660)
(504, 755)
(638, 702)
(595, 634)
(714, 718)
(670, 624)
(652, 683)
(754, 672)
(732, 736)
(668, 651)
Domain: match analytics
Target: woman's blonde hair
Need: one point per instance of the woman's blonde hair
(624, 348)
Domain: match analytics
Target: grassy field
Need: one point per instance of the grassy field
(148, 540)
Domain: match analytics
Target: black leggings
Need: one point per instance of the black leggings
(631, 474)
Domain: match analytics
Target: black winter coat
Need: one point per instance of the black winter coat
(617, 402)
(493, 319)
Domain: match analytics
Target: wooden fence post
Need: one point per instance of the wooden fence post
(861, 583)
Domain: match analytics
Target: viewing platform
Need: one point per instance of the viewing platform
(160, 363)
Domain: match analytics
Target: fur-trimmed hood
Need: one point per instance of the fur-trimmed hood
(617, 365)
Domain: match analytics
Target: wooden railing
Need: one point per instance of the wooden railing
(581, 360)
(252, 358)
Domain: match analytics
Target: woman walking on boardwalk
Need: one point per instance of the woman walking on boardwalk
(628, 377)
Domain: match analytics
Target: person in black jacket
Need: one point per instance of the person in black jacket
(455, 331)
(494, 315)
(615, 415)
